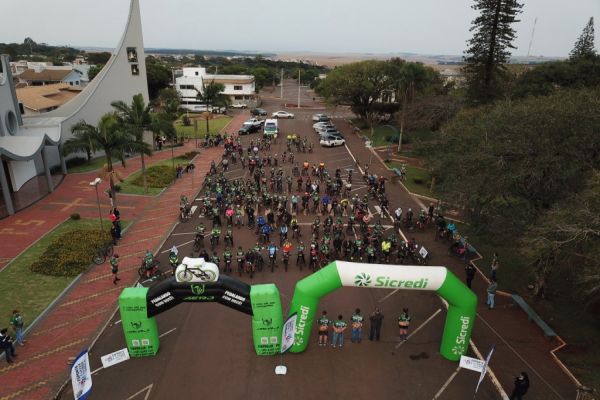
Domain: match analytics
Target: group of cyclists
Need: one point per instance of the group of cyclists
(269, 200)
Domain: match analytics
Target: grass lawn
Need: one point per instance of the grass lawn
(95, 164)
(422, 177)
(216, 125)
(30, 292)
(128, 187)
(380, 133)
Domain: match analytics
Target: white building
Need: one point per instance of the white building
(239, 88)
(29, 145)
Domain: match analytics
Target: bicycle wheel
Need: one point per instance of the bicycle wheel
(141, 271)
(99, 258)
(210, 276)
(184, 276)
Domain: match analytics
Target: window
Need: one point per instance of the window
(186, 87)
(238, 97)
(237, 87)
(196, 73)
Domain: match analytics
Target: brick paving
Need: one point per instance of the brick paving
(41, 366)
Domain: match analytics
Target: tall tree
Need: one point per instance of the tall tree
(109, 138)
(584, 47)
(212, 95)
(135, 119)
(488, 49)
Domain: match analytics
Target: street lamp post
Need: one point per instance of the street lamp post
(95, 184)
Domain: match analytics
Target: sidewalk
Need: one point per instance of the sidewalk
(41, 366)
(520, 344)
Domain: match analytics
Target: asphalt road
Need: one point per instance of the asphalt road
(207, 349)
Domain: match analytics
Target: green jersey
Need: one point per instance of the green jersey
(357, 320)
(17, 321)
(324, 322)
(404, 319)
(339, 324)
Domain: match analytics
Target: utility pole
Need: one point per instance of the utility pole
(532, 34)
(281, 84)
(298, 90)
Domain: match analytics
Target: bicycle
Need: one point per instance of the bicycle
(148, 270)
(102, 254)
(188, 273)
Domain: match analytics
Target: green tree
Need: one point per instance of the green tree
(135, 120)
(159, 77)
(93, 71)
(212, 95)
(98, 57)
(80, 142)
(584, 47)
(488, 49)
(109, 138)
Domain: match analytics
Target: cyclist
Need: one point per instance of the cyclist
(300, 255)
(173, 260)
(265, 232)
(240, 259)
(386, 246)
(215, 259)
(272, 251)
(227, 259)
(215, 233)
(287, 248)
(370, 253)
(283, 232)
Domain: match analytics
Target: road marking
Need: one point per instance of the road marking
(166, 333)
(520, 357)
(27, 389)
(178, 246)
(44, 354)
(183, 233)
(439, 393)
(96, 370)
(439, 310)
(147, 389)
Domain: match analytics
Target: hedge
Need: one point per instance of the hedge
(157, 176)
(71, 253)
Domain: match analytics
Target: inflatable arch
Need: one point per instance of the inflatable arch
(462, 301)
(139, 306)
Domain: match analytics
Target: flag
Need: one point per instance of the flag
(485, 367)
(81, 376)
(288, 333)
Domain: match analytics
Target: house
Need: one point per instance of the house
(239, 88)
(41, 99)
(46, 75)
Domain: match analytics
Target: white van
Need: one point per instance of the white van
(271, 128)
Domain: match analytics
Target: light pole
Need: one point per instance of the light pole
(298, 90)
(95, 184)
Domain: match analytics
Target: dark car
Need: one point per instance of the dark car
(247, 129)
(258, 111)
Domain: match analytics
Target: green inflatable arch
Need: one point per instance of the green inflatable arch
(462, 301)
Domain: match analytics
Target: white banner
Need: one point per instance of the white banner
(114, 358)
(81, 376)
(391, 276)
(474, 364)
(423, 252)
(288, 334)
(484, 369)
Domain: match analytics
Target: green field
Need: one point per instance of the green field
(129, 187)
(30, 292)
(215, 125)
(418, 180)
(94, 165)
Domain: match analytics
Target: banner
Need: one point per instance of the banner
(474, 364)
(485, 365)
(114, 358)
(288, 333)
(81, 376)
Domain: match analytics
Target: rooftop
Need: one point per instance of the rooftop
(41, 98)
(46, 75)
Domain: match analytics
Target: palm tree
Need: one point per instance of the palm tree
(212, 94)
(135, 119)
(80, 142)
(109, 138)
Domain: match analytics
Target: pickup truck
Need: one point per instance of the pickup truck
(255, 122)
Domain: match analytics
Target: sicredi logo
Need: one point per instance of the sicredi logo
(363, 279)
(461, 339)
(301, 324)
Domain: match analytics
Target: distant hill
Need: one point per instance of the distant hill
(160, 50)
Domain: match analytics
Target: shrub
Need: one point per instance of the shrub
(157, 176)
(76, 161)
(75, 216)
(418, 181)
(186, 121)
(117, 188)
(190, 155)
(71, 253)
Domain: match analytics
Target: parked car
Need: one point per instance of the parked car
(247, 129)
(322, 125)
(332, 141)
(282, 114)
(321, 118)
(218, 110)
(328, 131)
(239, 105)
(255, 121)
(258, 111)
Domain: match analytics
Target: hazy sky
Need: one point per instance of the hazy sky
(375, 26)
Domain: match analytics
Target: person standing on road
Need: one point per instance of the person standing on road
(403, 324)
(17, 324)
(324, 323)
(495, 265)
(470, 271)
(491, 293)
(376, 320)
(339, 326)
(521, 387)
(357, 323)
(114, 266)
